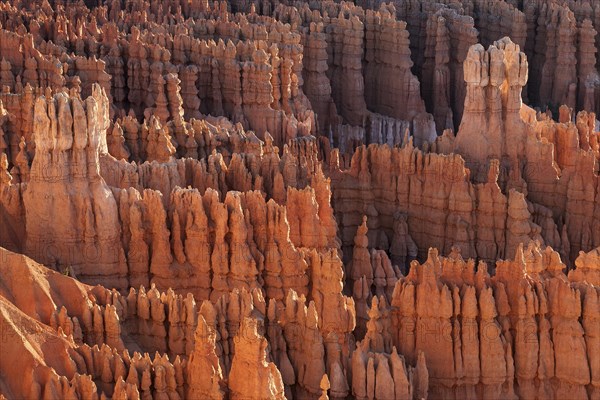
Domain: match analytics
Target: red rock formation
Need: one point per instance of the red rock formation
(65, 180)
(521, 305)
(444, 208)
(387, 70)
(262, 193)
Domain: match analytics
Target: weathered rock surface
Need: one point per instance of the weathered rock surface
(311, 200)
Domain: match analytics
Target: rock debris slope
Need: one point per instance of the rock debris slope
(301, 200)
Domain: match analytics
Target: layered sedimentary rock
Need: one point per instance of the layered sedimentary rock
(499, 336)
(486, 127)
(539, 157)
(152, 228)
(441, 206)
(439, 40)
(369, 68)
(387, 69)
(65, 180)
(515, 136)
(299, 200)
(503, 333)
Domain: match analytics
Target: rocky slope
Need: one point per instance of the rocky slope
(310, 200)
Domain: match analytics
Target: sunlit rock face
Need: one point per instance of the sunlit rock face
(301, 200)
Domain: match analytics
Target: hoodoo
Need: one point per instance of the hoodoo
(268, 199)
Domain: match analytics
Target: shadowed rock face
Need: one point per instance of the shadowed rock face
(269, 200)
